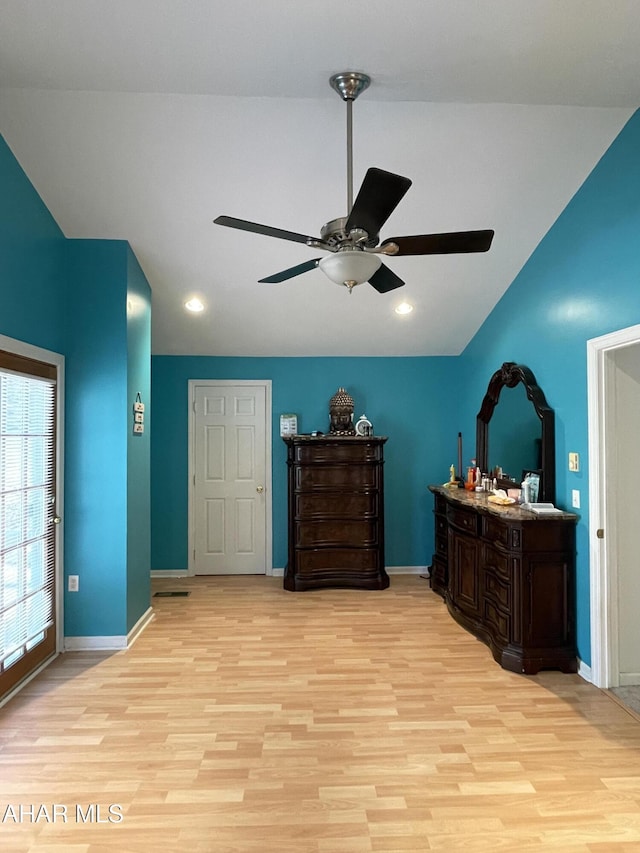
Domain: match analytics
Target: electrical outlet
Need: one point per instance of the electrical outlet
(574, 462)
(73, 585)
(575, 498)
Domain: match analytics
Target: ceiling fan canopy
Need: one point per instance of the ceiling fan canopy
(354, 240)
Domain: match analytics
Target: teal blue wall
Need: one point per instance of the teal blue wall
(403, 397)
(70, 296)
(582, 281)
(32, 276)
(96, 438)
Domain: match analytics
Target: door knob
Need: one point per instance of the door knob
(260, 489)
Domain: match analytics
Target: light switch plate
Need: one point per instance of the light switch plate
(574, 462)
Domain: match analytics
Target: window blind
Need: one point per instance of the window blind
(27, 509)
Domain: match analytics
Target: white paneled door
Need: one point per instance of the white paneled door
(230, 481)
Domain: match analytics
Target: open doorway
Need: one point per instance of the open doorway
(614, 469)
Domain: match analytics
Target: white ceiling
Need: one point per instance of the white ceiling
(145, 119)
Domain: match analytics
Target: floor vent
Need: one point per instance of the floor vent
(181, 594)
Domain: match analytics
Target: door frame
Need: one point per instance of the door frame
(602, 563)
(268, 503)
(39, 354)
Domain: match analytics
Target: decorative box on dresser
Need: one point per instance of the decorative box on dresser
(508, 575)
(336, 512)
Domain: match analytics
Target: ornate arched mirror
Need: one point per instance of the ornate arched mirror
(515, 430)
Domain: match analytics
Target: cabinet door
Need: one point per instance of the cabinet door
(464, 572)
(550, 603)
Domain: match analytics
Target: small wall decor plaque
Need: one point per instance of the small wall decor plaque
(138, 415)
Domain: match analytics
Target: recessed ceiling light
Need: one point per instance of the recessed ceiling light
(194, 305)
(404, 308)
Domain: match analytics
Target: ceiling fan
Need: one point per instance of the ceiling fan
(353, 240)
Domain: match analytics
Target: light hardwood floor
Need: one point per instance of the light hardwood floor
(247, 719)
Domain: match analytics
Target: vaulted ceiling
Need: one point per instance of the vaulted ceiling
(146, 119)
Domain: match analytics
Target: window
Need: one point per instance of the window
(27, 516)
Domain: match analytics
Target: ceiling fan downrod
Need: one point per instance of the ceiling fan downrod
(349, 84)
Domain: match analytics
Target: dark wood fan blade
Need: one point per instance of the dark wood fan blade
(385, 280)
(256, 228)
(276, 278)
(450, 243)
(377, 198)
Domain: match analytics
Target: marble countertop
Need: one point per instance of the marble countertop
(479, 502)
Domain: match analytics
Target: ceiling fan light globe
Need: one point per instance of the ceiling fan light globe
(350, 266)
(194, 305)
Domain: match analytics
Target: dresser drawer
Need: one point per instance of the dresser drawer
(309, 505)
(504, 534)
(463, 519)
(337, 559)
(498, 590)
(498, 621)
(358, 450)
(495, 530)
(497, 562)
(326, 532)
(336, 477)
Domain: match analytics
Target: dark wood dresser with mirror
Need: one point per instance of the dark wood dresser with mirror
(336, 512)
(506, 573)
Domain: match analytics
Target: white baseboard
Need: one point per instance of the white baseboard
(629, 679)
(109, 643)
(279, 572)
(169, 573)
(408, 570)
(140, 625)
(584, 671)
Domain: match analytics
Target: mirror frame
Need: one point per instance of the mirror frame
(508, 376)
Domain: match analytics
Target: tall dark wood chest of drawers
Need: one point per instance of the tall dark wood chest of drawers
(336, 512)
